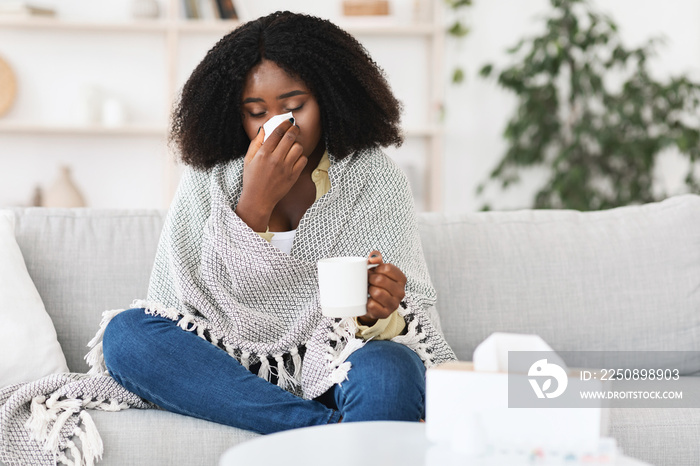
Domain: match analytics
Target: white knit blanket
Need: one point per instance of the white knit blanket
(218, 278)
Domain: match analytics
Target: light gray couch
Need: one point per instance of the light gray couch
(627, 279)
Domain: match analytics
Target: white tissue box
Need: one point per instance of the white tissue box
(468, 411)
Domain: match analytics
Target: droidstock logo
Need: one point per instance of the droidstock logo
(542, 370)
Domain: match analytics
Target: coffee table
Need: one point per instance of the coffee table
(380, 443)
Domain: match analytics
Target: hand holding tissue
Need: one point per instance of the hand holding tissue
(274, 122)
(469, 406)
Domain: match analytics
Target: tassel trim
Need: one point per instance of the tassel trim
(50, 415)
(416, 340)
(288, 373)
(343, 344)
(95, 357)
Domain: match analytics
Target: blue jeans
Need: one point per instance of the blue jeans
(181, 372)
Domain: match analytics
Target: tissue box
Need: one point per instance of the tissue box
(468, 410)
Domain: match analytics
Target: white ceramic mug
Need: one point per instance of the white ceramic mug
(343, 285)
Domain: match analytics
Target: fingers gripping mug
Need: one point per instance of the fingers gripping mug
(342, 282)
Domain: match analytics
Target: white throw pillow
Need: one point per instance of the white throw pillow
(29, 349)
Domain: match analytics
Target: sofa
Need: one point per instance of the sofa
(626, 279)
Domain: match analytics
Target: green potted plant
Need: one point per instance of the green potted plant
(592, 115)
(458, 30)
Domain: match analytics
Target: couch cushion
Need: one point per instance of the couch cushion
(624, 279)
(86, 261)
(662, 437)
(28, 341)
(171, 438)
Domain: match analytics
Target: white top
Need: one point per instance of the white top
(283, 240)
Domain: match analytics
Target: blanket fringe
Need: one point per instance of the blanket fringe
(95, 357)
(75, 453)
(296, 360)
(417, 341)
(44, 412)
(90, 439)
(343, 331)
(245, 359)
(264, 371)
(48, 418)
(285, 380)
(156, 309)
(187, 323)
(61, 411)
(39, 418)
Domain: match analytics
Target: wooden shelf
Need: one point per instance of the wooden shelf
(425, 132)
(65, 130)
(388, 29)
(61, 25)
(205, 25)
(382, 28)
(139, 130)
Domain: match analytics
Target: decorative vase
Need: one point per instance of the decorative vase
(37, 197)
(63, 192)
(145, 9)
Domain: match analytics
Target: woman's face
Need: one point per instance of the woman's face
(270, 91)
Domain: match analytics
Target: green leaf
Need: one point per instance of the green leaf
(457, 4)
(458, 76)
(458, 29)
(516, 48)
(486, 70)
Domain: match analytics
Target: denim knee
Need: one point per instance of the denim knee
(122, 339)
(386, 382)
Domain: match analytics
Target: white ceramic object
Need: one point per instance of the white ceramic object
(90, 105)
(113, 113)
(343, 285)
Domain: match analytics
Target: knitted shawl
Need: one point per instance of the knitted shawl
(218, 278)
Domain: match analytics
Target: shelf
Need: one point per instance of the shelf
(424, 132)
(64, 130)
(387, 28)
(145, 130)
(206, 25)
(141, 130)
(61, 25)
(383, 27)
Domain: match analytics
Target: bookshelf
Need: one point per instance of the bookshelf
(173, 36)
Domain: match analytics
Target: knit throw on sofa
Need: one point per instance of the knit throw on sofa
(216, 277)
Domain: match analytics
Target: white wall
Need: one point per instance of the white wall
(478, 110)
(128, 172)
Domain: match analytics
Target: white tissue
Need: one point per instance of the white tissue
(492, 354)
(274, 122)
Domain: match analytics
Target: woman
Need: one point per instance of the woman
(236, 264)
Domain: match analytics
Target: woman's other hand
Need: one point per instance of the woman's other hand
(387, 288)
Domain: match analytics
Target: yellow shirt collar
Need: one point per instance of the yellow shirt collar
(320, 176)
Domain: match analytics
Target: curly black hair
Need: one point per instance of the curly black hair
(358, 109)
